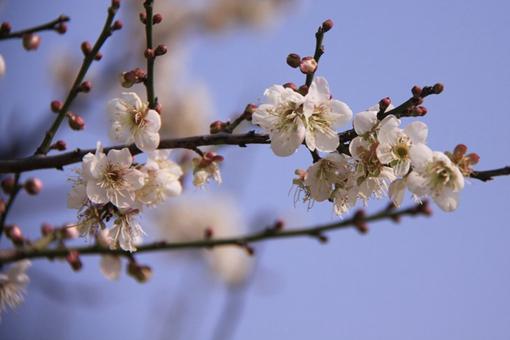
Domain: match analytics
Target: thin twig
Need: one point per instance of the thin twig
(8, 256)
(50, 26)
(149, 82)
(488, 175)
(73, 92)
(319, 51)
(10, 201)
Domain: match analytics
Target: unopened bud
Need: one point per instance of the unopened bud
(86, 86)
(293, 60)
(76, 122)
(208, 233)
(384, 103)
(160, 50)
(143, 18)
(291, 86)
(420, 111)
(278, 225)
(73, 258)
(303, 90)
(61, 27)
(47, 229)
(459, 151)
(86, 48)
(140, 273)
(116, 4)
(2, 206)
(416, 91)
(308, 65)
(98, 56)
(59, 145)
(33, 186)
(14, 233)
(8, 185)
(5, 28)
(117, 25)
(359, 222)
(157, 18)
(31, 41)
(217, 126)
(473, 158)
(56, 106)
(327, 25)
(438, 88)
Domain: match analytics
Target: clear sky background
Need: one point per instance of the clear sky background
(445, 277)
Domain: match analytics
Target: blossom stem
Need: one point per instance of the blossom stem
(75, 89)
(317, 232)
(10, 202)
(49, 26)
(149, 82)
(488, 175)
(319, 51)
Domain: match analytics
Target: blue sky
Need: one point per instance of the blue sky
(444, 277)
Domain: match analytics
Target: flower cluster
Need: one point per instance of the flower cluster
(383, 157)
(110, 185)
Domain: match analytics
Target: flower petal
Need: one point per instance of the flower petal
(417, 132)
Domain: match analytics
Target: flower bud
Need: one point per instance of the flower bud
(73, 258)
(98, 56)
(33, 186)
(115, 4)
(59, 145)
(2, 206)
(291, 86)
(86, 48)
(303, 90)
(76, 122)
(143, 18)
(327, 25)
(438, 88)
(308, 65)
(384, 103)
(157, 18)
(208, 233)
(61, 27)
(160, 50)
(31, 41)
(217, 126)
(117, 25)
(8, 185)
(359, 222)
(47, 229)
(416, 91)
(5, 28)
(56, 106)
(420, 111)
(85, 87)
(278, 225)
(473, 158)
(140, 273)
(293, 60)
(459, 151)
(13, 232)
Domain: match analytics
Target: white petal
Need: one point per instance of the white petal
(384, 153)
(417, 132)
(96, 193)
(135, 179)
(417, 184)
(121, 158)
(420, 155)
(325, 142)
(319, 90)
(121, 198)
(447, 200)
(153, 121)
(396, 191)
(357, 146)
(147, 141)
(286, 143)
(402, 167)
(110, 266)
(340, 112)
(132, 99)
(365, 121)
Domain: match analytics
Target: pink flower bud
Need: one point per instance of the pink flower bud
(117, 25)
(217, 126)
(293, 60)
(86, 86)
(61, 28)
(116, 4)
(8, 185)
(47, 229)
(416, 91)
(160, 50)
(327, 25)
(86, 48)
(14, 233)
(73, 258)
(56, 106)
(98, 56)
(5, 28)
(143, 18)
(76, 122)
(291, 86)
(59, 145)
(33, 186)
(308, 65)
(31, 41)
(438, 88)
(157, 18)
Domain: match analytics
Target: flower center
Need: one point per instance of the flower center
(113, 177)
(440, 175)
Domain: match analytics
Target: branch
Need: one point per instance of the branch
(10, 202)
(8, 256)
(75, 89)
(488, 175)
(319, 51)
(50, 26)
(149, 82)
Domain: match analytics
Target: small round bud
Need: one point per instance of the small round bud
(59, 145)
(327, 25)
(140, 273)
(293, 60)
(98, 56)
(5, 28)
(33, 186)
(117, 25)
(157, 18)
(31, 41)
(308, 65)
(13, 232)
(208, 233)
(473, 158)
(2, 206)
(438, 88)
(420, 111)
(149, 53)
(217, 126)
(160, 50)
(86, 48)
(47, 229)
(8, 185)
(86, 86)
(384, 103)
(61, 28)
(303, 90)
(73, 258)
(416, 91)
(56, 106)
(359, 221)
(115, 4)
(459, 150)
(278, 225)
(143, 18)
(76, 122)
(291, 86)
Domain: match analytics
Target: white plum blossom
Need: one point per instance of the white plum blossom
(291, 118)
(206, 168)
(323, 116)
(132, 121)
(110, 178)
(126, 231)
(396, 191)
(161, 180)
(435, 175)
(395, 143)
(77, 197)
(283, 119)
(13, 284)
